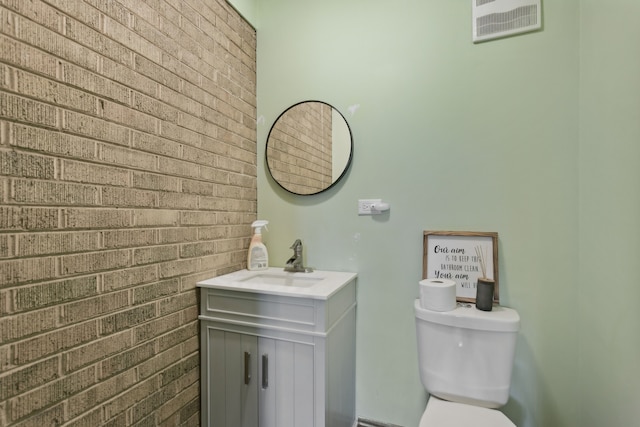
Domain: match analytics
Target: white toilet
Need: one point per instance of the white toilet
(466, 357)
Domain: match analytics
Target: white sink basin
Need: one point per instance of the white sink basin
(283, 278)
(318, 284)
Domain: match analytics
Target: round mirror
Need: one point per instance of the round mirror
(309, 148)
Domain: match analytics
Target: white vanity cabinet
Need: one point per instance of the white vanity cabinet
(256, 381)
(277, 358)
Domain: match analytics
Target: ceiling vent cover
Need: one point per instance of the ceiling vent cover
(500, 18)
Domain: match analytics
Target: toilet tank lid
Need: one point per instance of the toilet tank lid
(500, 319)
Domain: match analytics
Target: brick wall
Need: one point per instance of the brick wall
(127, 174)
(299, 148)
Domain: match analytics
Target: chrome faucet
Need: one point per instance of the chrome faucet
(294, 264)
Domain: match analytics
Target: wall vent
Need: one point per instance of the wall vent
(499, 18)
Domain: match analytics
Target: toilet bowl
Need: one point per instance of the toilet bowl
(465, 359)
(441, 413)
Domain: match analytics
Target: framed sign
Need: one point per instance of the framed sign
(464, 257)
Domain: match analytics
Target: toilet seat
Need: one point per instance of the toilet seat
(441, 413)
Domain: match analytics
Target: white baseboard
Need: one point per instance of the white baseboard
(369, 423)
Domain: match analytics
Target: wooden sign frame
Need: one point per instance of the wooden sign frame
(462, 256)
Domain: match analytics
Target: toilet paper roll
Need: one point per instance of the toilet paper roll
(438, 294)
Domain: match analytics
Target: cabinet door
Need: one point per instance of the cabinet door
(232, 376)
(286, 384)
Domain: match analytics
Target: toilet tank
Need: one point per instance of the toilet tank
(466, 355)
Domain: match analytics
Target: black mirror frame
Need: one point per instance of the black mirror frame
(346, 167)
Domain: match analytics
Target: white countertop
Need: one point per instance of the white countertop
(319, 284)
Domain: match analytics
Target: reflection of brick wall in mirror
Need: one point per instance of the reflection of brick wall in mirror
(299, 153)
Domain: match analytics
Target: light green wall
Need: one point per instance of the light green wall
(532, 136)
(248, 9)
(609, 214)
